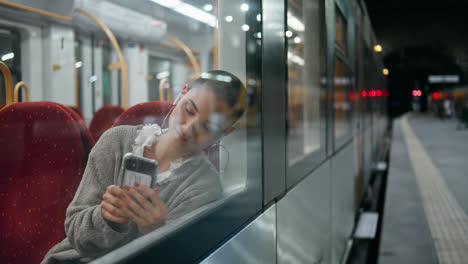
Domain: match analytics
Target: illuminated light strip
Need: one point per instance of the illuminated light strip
(8, 56)
(295, 23)
(295, 58)
(188, 10)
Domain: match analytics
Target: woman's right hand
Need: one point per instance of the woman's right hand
(112, 206)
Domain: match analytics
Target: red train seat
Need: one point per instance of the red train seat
(77, 111)
(144, 113)
(41, 161)
(86, 137)
(103, 119)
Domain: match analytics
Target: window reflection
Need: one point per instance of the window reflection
(341, 100)
(169, 86)
(340, 31)
(304, 68)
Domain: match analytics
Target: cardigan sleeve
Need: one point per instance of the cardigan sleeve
(87, 231)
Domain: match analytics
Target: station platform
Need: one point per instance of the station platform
(426, 202)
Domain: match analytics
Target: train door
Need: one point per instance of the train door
(10, 54)
(159, 79)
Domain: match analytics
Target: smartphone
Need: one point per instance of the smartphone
(137, 169)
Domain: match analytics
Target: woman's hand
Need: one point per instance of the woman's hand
(113, 206)
(144, 207)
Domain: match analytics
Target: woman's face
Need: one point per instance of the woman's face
(198, 120)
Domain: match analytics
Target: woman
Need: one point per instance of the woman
(104, 215)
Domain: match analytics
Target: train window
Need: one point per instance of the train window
(171, 140)
(341, 30)
(341, 101)
(306, 55)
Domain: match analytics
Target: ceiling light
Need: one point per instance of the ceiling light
(297, 40)
(245, 7)
(208, 8)
(78, 64)
(8, 56)
(385, 72)
(288, 33)
(245, 27)
(259, 17)
(295, 23)
(378, 48)
(188, 10)
(167, 3)
(228, 18)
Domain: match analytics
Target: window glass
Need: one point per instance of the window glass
(341, 100)
(174, 83)
(340, 30)
(305, 94)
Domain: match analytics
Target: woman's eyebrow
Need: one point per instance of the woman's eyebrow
(194, 105)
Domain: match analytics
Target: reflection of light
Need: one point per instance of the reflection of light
(288, 33)
(93, 78)
(295, 58)
(385, 93)
(245, 27)
(378, 48)
(162, 75)
(208, 7)
(8, 56)
(228, 19)
(364, 93)
(188, 10)
(259, 17)
(259, 35)
(78, 64)
(295, 23)
(297, 40)
(168, 3)
(417, 93)
(372, 93)
(385, 71)
(244, 7)
(379, 93)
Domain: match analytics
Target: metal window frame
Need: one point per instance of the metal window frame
(296, 172)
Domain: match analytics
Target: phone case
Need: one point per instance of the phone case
(137, 169)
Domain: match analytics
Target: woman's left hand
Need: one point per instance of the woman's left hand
(147, 212)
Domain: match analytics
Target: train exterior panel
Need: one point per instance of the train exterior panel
(296, 171)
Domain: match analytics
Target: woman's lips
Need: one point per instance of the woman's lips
(181, 136)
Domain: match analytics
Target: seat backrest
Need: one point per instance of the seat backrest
(144, 113)
(41, 161)
(103, 120)
(154, 113)
(86, 137)
(77, 111)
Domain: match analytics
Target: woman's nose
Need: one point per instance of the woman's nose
(189, 127)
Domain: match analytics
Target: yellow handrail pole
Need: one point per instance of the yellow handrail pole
(35, 10)
(18, 86)
(161, 89)
(8, 83)
(188, 52)
(121, 64)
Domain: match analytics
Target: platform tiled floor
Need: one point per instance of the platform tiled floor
(425, 210)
